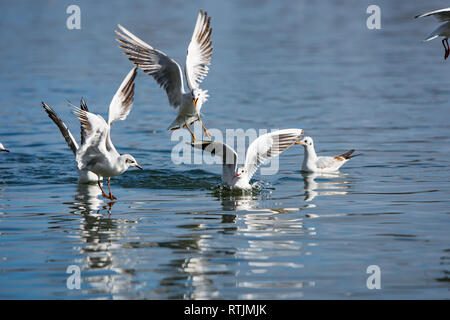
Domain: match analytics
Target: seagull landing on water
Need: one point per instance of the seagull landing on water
(313, 163)
(167, 72)
(2, 148)
(122, 98)
(98, 153)
(443, 30)
(260, 151)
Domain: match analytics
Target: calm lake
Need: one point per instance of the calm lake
(174, 233)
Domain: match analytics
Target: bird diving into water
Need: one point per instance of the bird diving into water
(167, 72)
(260, 151)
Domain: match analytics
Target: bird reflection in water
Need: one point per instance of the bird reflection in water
(88, 200)
(324, 184)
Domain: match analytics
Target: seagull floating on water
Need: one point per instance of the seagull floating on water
(443, 30)
(313, 163)
(2, 148)
(167, 72)
(121, 99)
(260, 151)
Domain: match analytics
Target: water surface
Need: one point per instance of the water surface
(173, 233)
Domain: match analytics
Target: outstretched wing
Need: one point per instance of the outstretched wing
(121, 103)
(269, 145)
(164, 69)
(441, 14)
(199, 52)
(71, 142)
(228, 155)
(97, 131)
(83, 106)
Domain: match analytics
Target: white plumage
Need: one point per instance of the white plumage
(167, 72)
(314, 163)
(443, 30)
(2, 148)
(96, 154)
(260, 151)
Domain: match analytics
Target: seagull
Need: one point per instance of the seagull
(98, 153)
(313, 163)
(2, 148)
(260, 151)
(86, 176)
(443, 30)
(167, 72)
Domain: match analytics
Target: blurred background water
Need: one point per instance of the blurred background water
(173, 234)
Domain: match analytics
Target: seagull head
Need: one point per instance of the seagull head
(239, 172)
(130, 161)
(306, 142)
(199, 97)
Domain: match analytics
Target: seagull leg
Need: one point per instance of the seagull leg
(111, 197)
(103, 192)
(192, 134)
(204, 129)
(446, 47)
(447, 51)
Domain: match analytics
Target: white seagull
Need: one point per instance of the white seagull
(167, 72)
(2, 148)
(119, 109)
(313, 163)
(443, 30)
(98, 153)
(260, 151)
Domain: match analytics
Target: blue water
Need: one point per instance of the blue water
(173, 233)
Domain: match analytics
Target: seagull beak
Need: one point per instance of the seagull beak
(236, 175)
(298, 142)
(138, 166)
(195, 102)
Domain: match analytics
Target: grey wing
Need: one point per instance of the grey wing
(326, 162)
(164, 69)
(441, 14)
(71, 142)
(227, 154)
(121, 103)
(268, 146)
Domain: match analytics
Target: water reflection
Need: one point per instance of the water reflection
(324, 184)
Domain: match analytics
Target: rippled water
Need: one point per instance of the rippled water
(174, 233)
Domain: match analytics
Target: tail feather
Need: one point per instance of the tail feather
(349, 154)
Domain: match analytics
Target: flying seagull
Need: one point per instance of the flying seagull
(167, 72)
(260, 151)
(443, 30)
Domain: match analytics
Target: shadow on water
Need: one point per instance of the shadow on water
(169, 179)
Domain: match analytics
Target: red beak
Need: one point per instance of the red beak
(236, 175)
